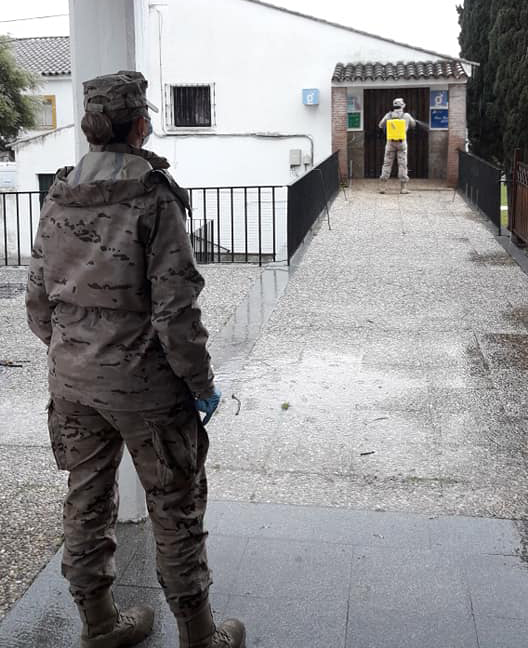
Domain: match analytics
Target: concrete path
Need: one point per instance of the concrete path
(394, 372)
(381, 434)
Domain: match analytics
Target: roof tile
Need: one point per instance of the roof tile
(352, 72)
(47, 56)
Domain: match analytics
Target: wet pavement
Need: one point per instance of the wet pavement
(366, 473)
(393, 373)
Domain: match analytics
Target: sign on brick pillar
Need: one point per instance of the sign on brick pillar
(339, 128)
(457, 130)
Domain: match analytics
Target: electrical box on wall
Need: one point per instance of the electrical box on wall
(310, 96)
(295, 157)
(307, 158)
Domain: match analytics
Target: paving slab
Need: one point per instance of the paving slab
(312, 576)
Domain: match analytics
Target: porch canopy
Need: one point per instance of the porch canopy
(435, 94)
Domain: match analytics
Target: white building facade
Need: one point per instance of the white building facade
(228, 77)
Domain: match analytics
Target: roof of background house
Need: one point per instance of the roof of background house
(47, 56)
(357, 31)
(418, 70)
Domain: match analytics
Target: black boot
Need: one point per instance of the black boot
(200, 631)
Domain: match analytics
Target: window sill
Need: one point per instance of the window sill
(183, 130)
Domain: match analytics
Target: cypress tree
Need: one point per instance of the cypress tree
(476, 21)
(509, 48)
(494, 33)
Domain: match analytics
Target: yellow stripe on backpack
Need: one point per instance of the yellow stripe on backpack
(396, 129)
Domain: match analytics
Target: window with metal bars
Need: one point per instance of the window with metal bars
(192, 106)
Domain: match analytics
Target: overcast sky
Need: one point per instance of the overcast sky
(431, 24)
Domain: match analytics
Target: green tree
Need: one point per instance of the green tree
(494, 33)
(17, 110)
(476, 22)
(509, 49)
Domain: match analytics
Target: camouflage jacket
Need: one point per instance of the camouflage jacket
(113, 284)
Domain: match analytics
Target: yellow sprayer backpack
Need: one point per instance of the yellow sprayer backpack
(396, 129)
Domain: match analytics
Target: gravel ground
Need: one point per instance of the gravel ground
(393, 372)
(31, 494)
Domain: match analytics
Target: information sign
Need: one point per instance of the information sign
(439, 98)
(440, 119)
(354, 120)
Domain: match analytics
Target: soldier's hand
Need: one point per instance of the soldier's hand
(209, 405)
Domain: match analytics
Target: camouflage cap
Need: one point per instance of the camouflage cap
(121, 96)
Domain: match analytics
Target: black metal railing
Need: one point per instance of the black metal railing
(202, 235)
(480, 181)
(308, 197)
(19, 216)
(227, 224)
(249, 222)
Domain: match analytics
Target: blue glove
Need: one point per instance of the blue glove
(209, 405)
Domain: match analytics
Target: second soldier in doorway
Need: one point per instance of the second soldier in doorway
(112, 292)
(396, 148)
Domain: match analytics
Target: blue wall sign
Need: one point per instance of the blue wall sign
(440, 118)
(439, 98)
(310, 96)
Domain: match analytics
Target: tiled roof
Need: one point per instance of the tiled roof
(399, 71)
(47, 56)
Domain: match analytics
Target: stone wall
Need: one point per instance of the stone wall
(339, 128)
(438, 146)
(457, 130)
(356, 153)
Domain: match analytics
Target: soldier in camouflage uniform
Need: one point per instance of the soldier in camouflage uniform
(395, 148)
(112, 292)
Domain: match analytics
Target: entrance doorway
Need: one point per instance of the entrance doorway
(377, 104)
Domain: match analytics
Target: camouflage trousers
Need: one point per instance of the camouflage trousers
(395, 149)
(168, 448)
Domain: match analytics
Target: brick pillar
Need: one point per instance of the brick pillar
(339, 128)
(457, 130)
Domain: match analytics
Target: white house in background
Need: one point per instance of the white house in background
(40, 152)
(250, 94)
(244, 89)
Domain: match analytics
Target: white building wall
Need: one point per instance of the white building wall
(259, 59)
(20, 212)
(103, 41)
(43, 154)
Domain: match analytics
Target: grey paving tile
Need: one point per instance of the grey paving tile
(277, 623)
(45, 617)
(213, 515)
(224, 555)
(374, 627)
(498, 585)
(496, 632)
(329, 525)
(461, 535)
(423, 581)
(130, 538)
(284, 569)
